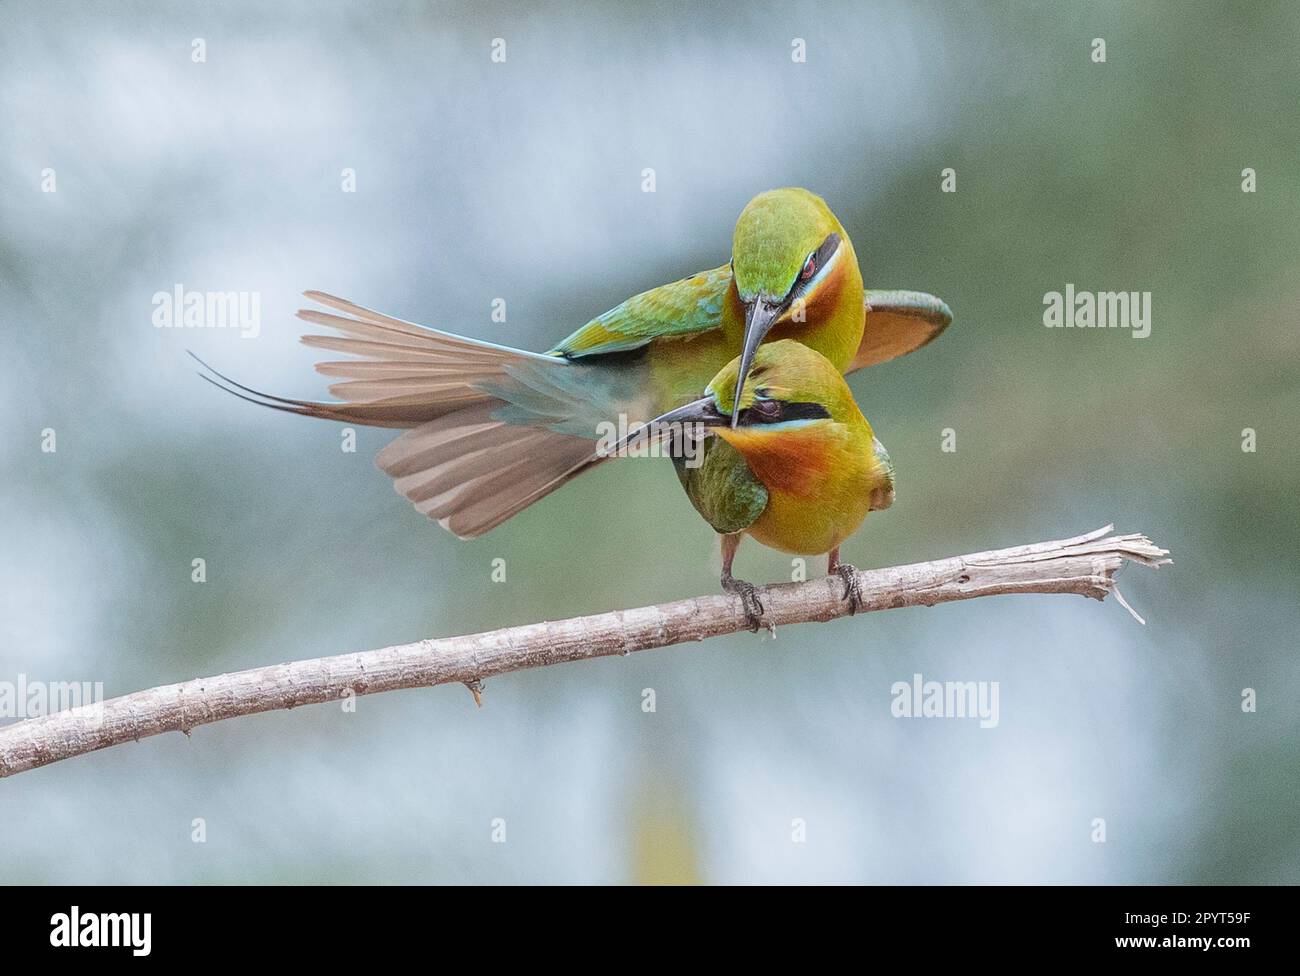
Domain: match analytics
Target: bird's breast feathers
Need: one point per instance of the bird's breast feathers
(820, 479)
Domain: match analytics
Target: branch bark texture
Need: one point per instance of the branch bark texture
(1085, 565)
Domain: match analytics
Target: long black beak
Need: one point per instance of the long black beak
(758, 320)
(703, 412)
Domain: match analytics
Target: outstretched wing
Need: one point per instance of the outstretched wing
(683, 308)
(898, 322)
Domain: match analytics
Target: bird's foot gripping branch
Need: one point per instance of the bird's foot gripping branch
(1085, 565)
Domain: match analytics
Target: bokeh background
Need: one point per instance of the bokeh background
(522, 180)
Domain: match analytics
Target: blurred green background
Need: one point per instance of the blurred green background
(522, 180)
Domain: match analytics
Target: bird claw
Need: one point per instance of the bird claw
(852, 588)
(748, 594)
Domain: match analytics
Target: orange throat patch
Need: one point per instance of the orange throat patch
(794, 461)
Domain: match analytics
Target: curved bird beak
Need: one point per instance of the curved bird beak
(702, 412)
(759, 316)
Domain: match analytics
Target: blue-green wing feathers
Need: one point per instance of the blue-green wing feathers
(683, 308)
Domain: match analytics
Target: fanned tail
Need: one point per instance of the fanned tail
(470, 472)
(481, 444)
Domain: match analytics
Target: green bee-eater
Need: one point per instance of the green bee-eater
(792, 463)
(494, 429)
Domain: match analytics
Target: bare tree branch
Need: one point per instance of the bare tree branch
(1085, 565)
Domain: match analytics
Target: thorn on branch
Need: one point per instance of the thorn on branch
(476, 689)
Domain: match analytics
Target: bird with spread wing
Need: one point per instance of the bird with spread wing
(490, 429)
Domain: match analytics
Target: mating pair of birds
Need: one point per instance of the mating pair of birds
(752, 353)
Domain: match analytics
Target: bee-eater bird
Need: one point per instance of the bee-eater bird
(493, 429)
(792, 461)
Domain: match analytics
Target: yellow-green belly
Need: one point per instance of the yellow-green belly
(810, 526)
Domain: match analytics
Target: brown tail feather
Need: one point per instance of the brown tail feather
(396, 352)
(471, 473)
(368, 369)
(456, 463)
(413, 374)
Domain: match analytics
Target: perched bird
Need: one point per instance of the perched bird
(493, 429)
(791, 462)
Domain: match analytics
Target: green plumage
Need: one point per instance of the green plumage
(723, 489)
(493, 429)
(686, 307)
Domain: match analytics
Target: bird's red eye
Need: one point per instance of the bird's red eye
(767, 408)
(809, 267)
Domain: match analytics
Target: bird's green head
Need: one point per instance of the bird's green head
(776, 234)
(787, 382)
(791, 386)
(784, 248)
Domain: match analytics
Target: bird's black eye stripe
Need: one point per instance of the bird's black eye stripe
(820, 257)
(804, 411)
(829, 247)
(785, 411)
